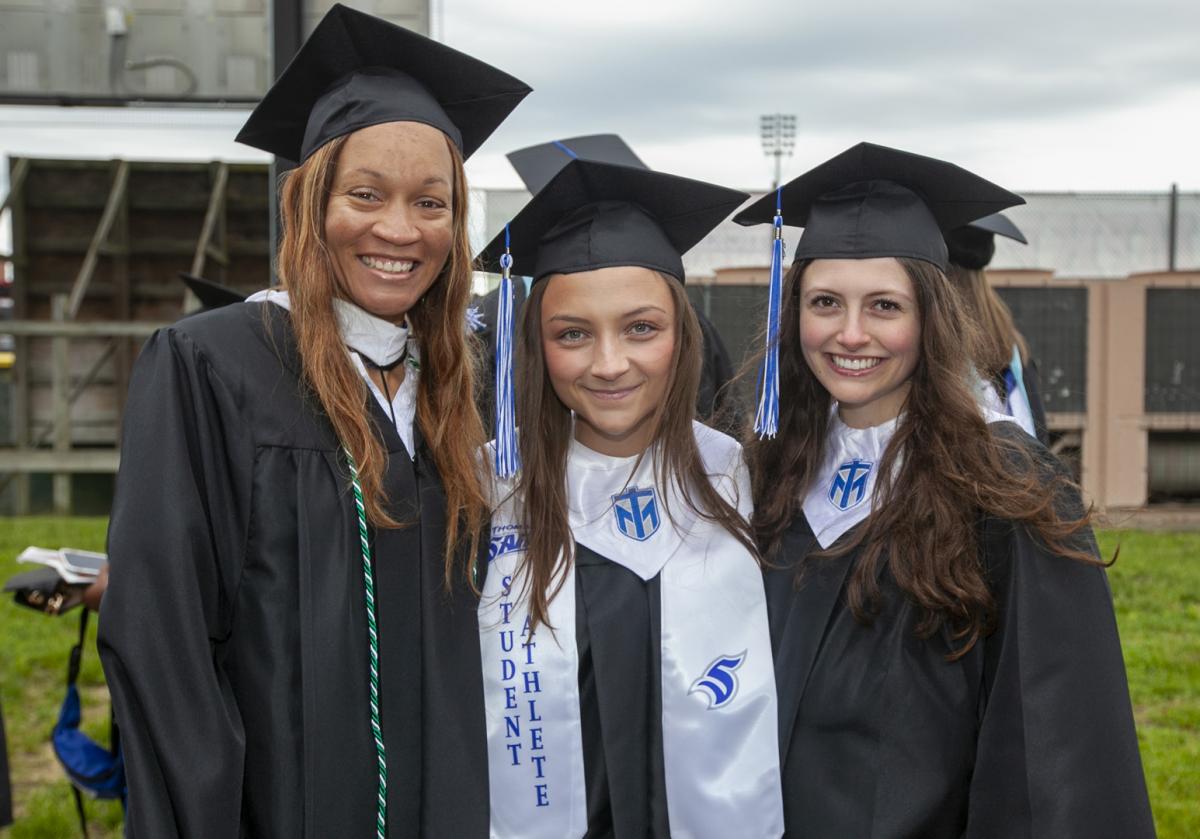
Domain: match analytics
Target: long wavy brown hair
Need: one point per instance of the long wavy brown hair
(997, 332)
(943, 471)
(446, 413)
(546, 429)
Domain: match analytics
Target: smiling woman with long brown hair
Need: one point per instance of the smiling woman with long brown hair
(946, 651)
(623, 611)
(289, 632)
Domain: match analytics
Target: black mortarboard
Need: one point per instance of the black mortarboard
(973, 245)
(211, 295)
(598, 215)
(873, 201)
(537, 165)
(357, 70)
(593, 215)
(869, 201)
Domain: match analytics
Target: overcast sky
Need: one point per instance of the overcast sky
(1050, 95)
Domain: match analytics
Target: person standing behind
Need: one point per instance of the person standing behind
(289, 630)
(1004, 362)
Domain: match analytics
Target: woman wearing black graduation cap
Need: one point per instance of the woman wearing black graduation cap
(1008, 374)
(623, 627)
(946, 651)
(290, 631)
(537, 165)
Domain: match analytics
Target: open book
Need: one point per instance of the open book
(75, 567)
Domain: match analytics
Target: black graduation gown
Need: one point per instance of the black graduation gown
(234, 633)
(618, 629)
(1028, 735)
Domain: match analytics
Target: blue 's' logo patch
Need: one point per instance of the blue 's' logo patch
(719, 684)
(849, 486)
(637, 513)
(506, 539)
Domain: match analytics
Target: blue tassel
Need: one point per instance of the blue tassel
(766, 418)
(508, 456)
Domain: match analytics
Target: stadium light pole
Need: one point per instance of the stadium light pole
(778, 140)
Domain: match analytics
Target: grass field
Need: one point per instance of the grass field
(33, 672)
(1156, 584)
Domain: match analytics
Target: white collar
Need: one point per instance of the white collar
(623, 515)
(379, 341)
(843, 493)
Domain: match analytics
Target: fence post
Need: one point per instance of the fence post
(61, 379)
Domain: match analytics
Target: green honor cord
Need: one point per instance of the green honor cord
(369, 588)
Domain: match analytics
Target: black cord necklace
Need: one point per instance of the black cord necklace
(384, 369)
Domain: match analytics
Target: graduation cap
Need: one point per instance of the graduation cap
(211, 295)
(872, 201)
(869, 201)
(357, 70)
(598, 215)
(537, 165)
(973, 245)
(594, 215)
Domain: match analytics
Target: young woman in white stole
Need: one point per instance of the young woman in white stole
(623, 626)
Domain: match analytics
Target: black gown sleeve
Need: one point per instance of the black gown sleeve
(1057, 753)
(176, 540)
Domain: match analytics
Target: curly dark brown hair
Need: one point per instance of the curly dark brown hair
(942, 473)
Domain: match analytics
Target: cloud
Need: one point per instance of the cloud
(689, 73)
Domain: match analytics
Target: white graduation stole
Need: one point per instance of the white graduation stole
(844, 491)
(720, 730)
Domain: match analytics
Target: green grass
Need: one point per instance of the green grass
(1156, 588)
(33, 672)
(1156, 585)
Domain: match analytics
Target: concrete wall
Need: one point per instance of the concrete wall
(52, 47)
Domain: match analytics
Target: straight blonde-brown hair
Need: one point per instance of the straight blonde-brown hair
(546, 428)
(997, 332)
(446, 412)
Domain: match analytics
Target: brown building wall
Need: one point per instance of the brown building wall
(1113, 435)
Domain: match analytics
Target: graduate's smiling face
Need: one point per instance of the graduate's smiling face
(389, 223)
(608, 337)
(860, 333)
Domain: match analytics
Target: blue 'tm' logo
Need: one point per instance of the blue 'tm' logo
(719, 683)
(637, 513)
(849, 485)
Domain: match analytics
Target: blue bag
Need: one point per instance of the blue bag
(91, 768)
